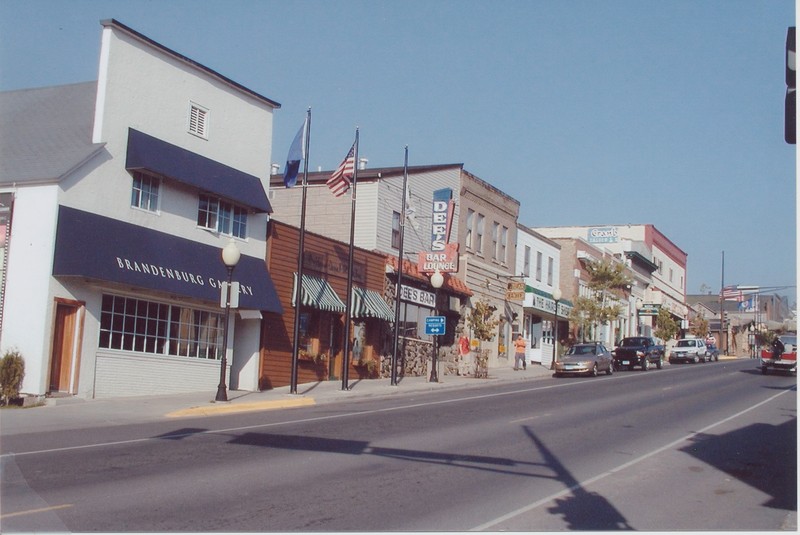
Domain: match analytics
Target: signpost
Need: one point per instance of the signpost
(434, 325)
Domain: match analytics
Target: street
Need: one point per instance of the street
(690, 447)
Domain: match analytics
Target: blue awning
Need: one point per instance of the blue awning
(100, 248)
(148, 153)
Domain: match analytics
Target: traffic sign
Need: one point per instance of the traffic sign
(434, 325)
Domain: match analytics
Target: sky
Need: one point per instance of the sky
(589, 112)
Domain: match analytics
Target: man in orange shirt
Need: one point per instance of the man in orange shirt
(519, 353)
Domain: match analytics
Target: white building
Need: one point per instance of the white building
(124, 192)
(539, 264)
(657, 264)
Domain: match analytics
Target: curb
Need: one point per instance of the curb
(228, 408)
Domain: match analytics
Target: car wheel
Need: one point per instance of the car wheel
(659, 364)
(696, 359)
(610, 369)
(645, 364)
(593, 373)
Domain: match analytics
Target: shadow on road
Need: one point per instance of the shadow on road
(761, 455)
(581, 509)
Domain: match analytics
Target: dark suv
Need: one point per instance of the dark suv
(638, 351)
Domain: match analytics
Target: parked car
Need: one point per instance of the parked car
(689, 350)
(787, 361)
(588, 358)
(713, 352)
(638, 351)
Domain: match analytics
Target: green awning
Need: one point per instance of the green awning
(317, 293)
(370, 304)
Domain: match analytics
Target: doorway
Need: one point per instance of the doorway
(65, 357)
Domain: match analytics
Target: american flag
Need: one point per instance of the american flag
(732, 293)
(339, 182)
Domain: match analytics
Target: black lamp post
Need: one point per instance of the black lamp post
(230, 257)
(556, 298)
(437, 279)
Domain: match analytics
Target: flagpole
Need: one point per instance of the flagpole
(298, 291)
(722, 307)
(398, 284)
(346, 355)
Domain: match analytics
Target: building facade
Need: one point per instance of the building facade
(539, 264)
(123, 192)
(656, 264)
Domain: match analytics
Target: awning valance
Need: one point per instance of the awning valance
(369, 304)
(317, 293)
(162, 158)
(105, 249)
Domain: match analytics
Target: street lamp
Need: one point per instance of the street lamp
(556, 298)
(230, 257)
(437, 279)
(639, 305)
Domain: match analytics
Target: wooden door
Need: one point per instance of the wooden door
(64, 360)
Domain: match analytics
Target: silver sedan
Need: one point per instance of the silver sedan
(589, 358)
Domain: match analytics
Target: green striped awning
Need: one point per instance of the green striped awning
(370, 304)
(317, 293)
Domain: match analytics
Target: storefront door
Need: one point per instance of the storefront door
(66, 347)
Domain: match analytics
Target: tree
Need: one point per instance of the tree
(699, 327)
(666, 326)
(601, 308)
(481, 322)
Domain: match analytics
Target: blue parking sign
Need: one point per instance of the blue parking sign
(434, 325)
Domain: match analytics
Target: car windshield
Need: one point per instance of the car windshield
(788, 340)
(685, 343)
(632, 342)
(581, 350)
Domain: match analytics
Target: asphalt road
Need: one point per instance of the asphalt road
(690, 447)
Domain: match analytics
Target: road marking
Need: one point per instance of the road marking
(559, 384)
(529, 418)
(40, 510)
(632, 462)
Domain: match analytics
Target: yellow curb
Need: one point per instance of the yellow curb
(213, 409)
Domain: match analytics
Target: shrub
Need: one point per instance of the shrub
(12, 372)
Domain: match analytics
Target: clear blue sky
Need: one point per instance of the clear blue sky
(589, 112)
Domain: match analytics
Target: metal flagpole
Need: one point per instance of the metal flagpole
(722, 308)
(346, 354)
(399, 271)
(298, 291)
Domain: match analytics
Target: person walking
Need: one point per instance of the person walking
(519, 353)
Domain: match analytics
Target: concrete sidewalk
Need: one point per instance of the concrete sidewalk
(71, 413)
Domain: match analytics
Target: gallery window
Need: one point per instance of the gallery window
(131, 324)
(144, 194)
(221, 216)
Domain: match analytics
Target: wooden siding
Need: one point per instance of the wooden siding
(277, 335)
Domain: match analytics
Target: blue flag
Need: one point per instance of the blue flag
(296, 155)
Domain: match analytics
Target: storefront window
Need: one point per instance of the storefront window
(141, 326)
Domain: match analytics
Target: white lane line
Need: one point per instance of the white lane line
(288, 422)
(583, 484)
